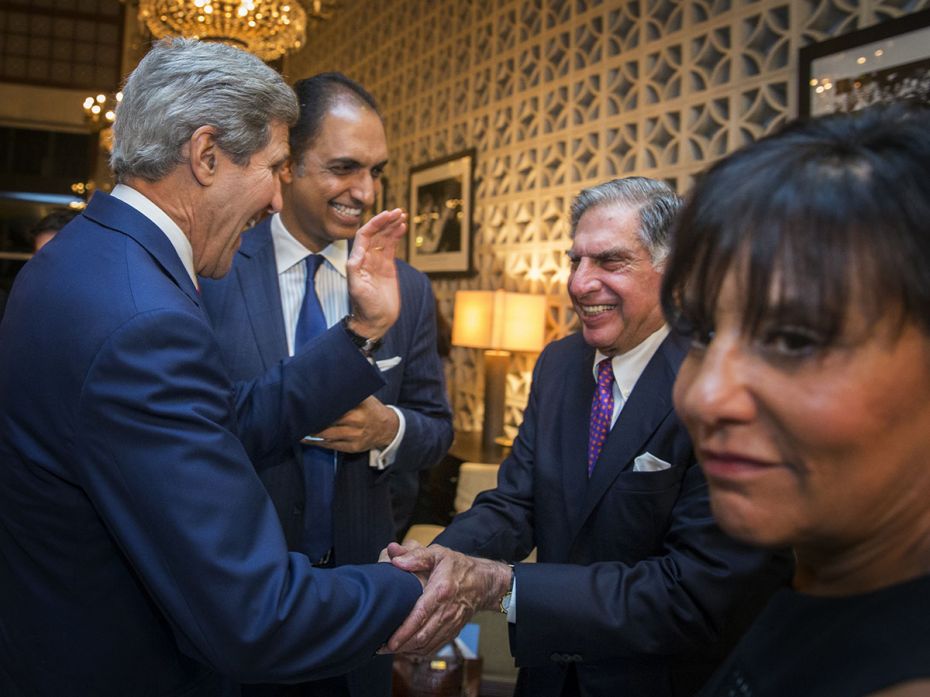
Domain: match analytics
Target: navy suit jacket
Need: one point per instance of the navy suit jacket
(139, 552)
(636, 590)
(245, 308)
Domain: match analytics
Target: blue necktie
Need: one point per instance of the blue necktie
(311, 321)
(319, 464)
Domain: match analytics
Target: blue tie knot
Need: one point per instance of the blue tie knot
(313, 264)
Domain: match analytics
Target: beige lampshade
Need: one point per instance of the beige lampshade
(496, 319)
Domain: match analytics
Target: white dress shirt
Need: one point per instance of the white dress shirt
(629, 366)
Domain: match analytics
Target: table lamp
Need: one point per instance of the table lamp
(498, 322)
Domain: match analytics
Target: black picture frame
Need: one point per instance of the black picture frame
(439, 241)
(878, 64)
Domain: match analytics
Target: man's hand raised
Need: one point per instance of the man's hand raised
(372, 277)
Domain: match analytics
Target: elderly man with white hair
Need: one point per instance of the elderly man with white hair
(139, 552)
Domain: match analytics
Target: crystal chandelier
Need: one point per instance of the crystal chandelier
(267, 28)
(100, 111)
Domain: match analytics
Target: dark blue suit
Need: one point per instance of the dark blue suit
(139, 553)
(637, 592)
(245, 308)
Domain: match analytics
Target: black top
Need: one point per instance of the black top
(837, 647)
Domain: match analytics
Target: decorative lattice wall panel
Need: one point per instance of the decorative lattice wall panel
(557, 95)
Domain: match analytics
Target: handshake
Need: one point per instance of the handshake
(455, 587)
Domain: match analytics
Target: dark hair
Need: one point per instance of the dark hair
(55, 220)
(317, 95)
(823, 214)
(657, 203)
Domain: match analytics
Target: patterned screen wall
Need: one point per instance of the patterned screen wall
(557, 95)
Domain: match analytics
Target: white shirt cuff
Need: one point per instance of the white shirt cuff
(512, 609)
(382, 459)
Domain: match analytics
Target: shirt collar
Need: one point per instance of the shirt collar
(289, 252)
(630, 365)
(163, 221)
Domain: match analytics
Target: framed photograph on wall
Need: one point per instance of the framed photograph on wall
(441, 195)
(878, 64)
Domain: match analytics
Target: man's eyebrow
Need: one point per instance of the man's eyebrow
(344, 161)
(352, 162)
(605, 255)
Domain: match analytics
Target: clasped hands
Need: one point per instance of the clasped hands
(455, 586)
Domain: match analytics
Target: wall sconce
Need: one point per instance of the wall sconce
(499, 322)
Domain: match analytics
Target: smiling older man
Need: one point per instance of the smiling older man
(637, 591)
(139, 553)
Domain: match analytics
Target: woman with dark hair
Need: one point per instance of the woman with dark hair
(801, 271)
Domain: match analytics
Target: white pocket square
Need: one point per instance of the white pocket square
(647, 462)
(387, 363)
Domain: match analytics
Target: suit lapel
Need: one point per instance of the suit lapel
(116, 215)
(257, 278)
(579, 390)
(649, 403)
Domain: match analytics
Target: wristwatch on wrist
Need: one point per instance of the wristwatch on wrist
(365, 345)
(505, 601)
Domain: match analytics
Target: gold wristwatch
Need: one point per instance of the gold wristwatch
(505, 601)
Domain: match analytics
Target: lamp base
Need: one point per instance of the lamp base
(496, 364)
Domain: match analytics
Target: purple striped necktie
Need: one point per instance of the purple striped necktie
(602, 409)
